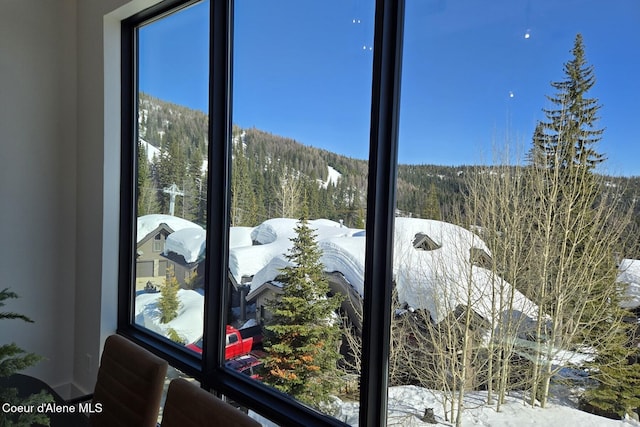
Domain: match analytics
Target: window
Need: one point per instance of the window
(187, 169)
(223, 176)
(424, 243)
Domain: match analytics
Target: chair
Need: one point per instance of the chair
(187, 405)
(129, 386)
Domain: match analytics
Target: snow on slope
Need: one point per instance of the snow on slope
(332, 178)
(153, 153)
(630, 274)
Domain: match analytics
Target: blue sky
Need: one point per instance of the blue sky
(475, 73)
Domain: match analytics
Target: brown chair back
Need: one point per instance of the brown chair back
(129, 385)
(187, 405)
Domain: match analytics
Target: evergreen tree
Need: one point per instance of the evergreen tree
(618, 377)
(432, 208)
(172, 167)
(168, 302)
(302, 337)
(243, 201)
(147, 194)
(13, 359)
(568, 137)
(195, 189)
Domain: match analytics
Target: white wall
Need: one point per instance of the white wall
(38, 178)
(59, 177)
(98, 178)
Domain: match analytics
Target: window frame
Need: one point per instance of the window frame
(209, 368)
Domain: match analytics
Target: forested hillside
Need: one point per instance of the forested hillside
(272, 174)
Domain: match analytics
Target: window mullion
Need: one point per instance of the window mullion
(380, 210)
(220, 84)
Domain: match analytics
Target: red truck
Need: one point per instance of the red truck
(235, 344)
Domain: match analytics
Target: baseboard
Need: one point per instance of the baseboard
(69, 390)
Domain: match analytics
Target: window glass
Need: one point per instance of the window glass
(489, 302)
(301, 112)
(171, 174)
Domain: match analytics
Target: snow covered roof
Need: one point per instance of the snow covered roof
(240, 236)
(188, 242)
(436, 280)
(148, 223)
(273, 240)
(441, 279)
(630, 274)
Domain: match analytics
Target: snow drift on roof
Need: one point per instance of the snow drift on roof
(188, 242)
(274, 239)
(148, 223)
(240, 236)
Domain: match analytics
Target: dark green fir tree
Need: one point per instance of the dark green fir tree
(616, 369)
(568, 137)
(302, 336)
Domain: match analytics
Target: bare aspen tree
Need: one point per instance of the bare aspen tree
(554, 238)
(288, 193)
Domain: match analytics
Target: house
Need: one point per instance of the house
(166, 240)
(150, 264)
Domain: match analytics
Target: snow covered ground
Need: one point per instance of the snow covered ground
(407, 406)
(188, 322)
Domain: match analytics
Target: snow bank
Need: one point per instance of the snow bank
(188, 322)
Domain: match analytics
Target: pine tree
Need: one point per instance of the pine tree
(172, 167)
(147, 194)
(14, 359)
(618, 377)
(568, 137)
(302, 337)
(194, 188)
(168, 303)
(243, 201)
(432, 208)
